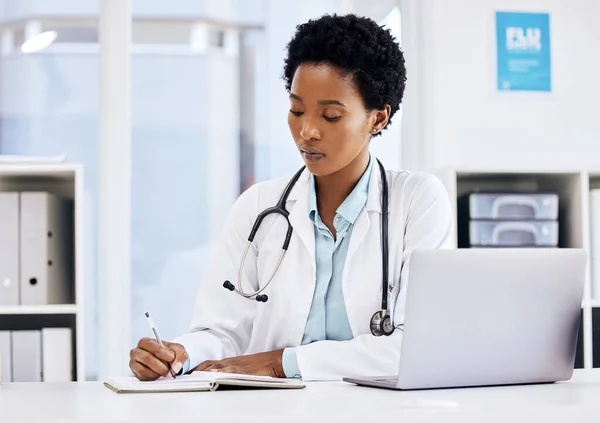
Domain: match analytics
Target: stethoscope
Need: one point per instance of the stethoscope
(381, 322)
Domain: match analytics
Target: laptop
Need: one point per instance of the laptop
(484, 317)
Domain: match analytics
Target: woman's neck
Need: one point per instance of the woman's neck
(333, 189)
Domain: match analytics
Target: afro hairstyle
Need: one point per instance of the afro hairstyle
(358, 47)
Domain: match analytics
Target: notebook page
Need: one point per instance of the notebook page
(161, 384)
(215, 376)
(196, 381)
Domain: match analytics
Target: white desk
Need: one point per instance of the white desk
(577, 400)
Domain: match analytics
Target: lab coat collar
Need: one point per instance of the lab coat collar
(351, 206)
(301, 187)
(303, 226)
(375, 188)
(300, 191)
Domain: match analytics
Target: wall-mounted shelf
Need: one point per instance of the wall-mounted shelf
(63, 181)
(41, 309)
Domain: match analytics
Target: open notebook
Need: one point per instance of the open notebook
(199, 381)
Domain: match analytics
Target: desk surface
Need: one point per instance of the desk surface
(575, 400)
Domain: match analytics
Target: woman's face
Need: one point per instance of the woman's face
(328, 119)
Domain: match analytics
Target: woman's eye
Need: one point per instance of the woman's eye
(332, 118)
(295, 113)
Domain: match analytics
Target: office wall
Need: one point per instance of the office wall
(21, 9)
(465, 122)
(240, 11)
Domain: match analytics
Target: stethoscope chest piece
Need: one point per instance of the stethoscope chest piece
(381, 324)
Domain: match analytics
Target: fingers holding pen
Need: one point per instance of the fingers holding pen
(147, 365)
(162, 352)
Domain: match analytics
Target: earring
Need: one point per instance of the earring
(374, 130)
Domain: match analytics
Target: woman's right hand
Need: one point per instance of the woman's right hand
(149, 360)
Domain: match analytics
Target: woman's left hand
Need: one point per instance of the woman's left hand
(261, 364)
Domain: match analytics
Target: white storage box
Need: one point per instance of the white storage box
(513, 234)
(510, 206)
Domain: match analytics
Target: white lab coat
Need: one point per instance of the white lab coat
(225, 324)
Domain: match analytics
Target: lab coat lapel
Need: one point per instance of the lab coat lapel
(362, 223)
(302, 248)
(298, 217)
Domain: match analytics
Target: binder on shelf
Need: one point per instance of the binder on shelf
(57, 363)
(27, 356)
(595, 241)
(9, 248)
(46, 269)
(5, 357)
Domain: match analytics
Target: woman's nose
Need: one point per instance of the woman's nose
(309, 131)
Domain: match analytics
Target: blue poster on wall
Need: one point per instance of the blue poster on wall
(523, 51)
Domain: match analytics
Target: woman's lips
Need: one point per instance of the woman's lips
(311, 155)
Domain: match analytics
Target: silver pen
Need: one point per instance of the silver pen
(153, 329)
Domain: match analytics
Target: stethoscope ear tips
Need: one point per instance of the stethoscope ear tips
(260, 298)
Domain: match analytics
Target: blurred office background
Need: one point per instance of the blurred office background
(208, 119)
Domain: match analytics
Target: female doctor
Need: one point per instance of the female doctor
(321, 310)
